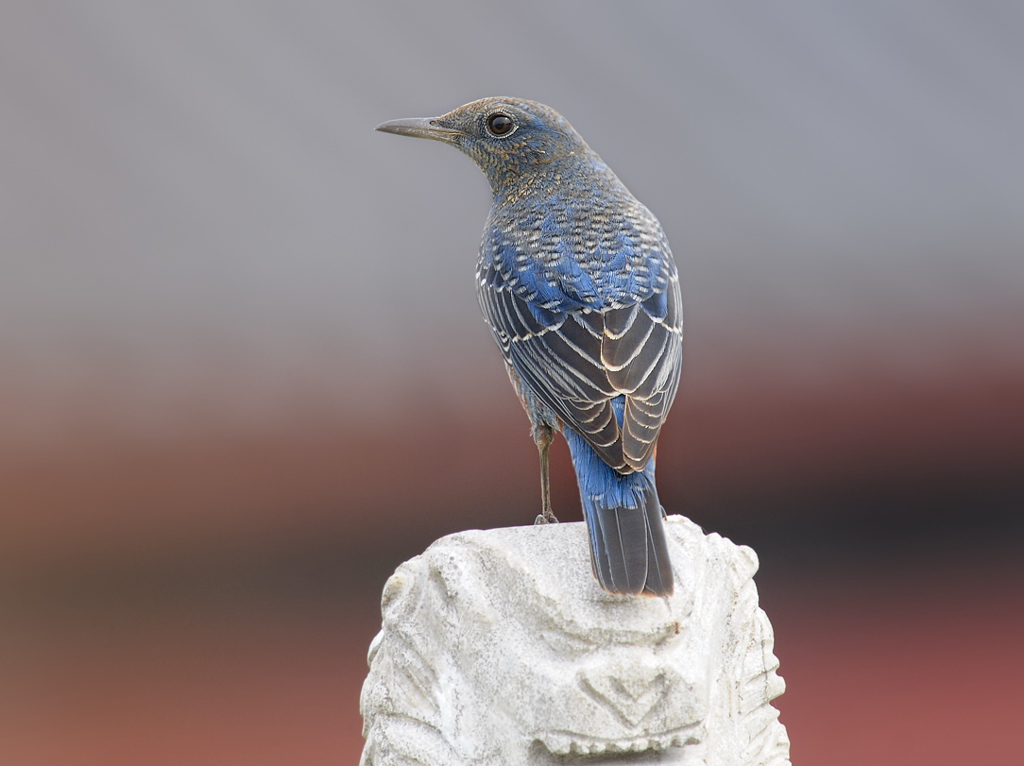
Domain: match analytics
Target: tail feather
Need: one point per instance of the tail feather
(628, 549)
(619, 549)
(659, 567)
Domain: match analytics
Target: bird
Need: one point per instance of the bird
(578, 285)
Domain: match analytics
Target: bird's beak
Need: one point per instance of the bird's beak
(420, 127)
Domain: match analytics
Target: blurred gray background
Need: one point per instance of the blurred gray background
(241, 359)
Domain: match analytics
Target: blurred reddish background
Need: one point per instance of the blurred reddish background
(243, 374)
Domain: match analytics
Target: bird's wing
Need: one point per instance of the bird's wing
(609, 374)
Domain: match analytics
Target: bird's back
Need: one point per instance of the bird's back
(580, 290)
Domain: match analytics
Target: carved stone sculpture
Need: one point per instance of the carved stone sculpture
(499, 648)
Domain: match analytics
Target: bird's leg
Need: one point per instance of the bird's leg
(543, 435)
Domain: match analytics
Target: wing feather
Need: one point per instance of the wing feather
(576, 363)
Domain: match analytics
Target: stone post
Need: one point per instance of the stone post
(499, 648)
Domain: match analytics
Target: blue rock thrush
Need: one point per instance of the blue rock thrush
(577, 283)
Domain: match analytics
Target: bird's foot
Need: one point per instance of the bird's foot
(545, 518)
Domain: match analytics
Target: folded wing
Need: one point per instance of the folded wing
(609, 374)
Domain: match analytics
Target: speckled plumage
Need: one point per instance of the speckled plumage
(577, 283)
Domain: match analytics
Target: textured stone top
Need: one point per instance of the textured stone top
(498, 647)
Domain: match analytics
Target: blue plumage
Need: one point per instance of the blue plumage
(577, 283)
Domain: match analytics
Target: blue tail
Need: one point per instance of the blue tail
(627, 538)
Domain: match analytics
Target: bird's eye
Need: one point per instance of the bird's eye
(500, 125)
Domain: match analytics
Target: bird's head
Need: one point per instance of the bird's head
(511, 139)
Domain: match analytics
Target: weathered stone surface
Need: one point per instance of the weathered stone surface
(498, 647)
